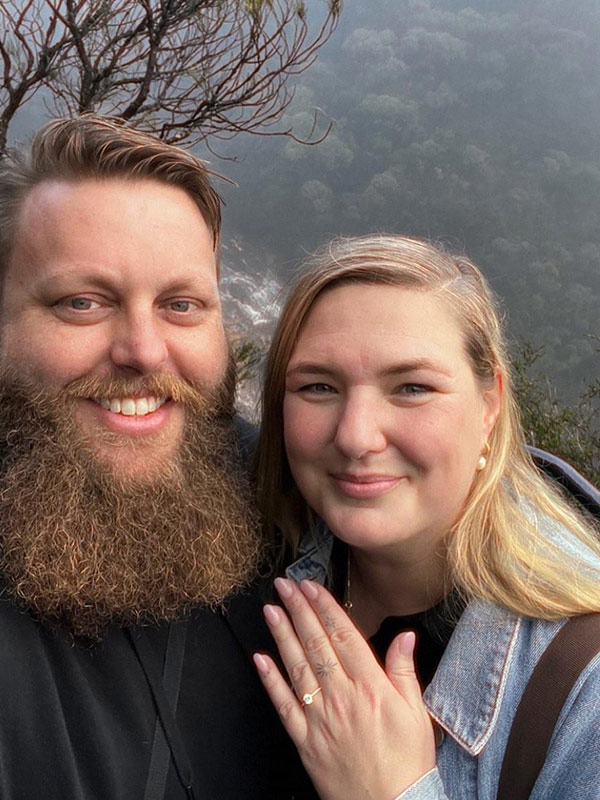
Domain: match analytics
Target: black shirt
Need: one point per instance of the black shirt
(433, 627)
(78, 722)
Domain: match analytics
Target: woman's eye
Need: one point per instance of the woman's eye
(317, 388)
(413, 389)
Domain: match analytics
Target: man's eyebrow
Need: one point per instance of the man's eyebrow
(108, 281)
(64, 279)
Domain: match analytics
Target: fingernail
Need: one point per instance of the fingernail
(406, 643)
(262, 665)
(272, 614)
(284, 587)
(309, 589)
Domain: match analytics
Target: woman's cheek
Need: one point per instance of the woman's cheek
(305, 429)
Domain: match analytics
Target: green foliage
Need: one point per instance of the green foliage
(254, 7)
(569, 431)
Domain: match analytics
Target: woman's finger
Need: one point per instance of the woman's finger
(400, 668)
(349, 646)
(283, 698)
(295, 660)
(311, 632)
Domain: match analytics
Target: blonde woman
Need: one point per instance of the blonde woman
(391, 456)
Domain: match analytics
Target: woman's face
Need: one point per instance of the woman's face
(384, 420)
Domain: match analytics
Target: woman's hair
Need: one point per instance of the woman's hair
(517, 542)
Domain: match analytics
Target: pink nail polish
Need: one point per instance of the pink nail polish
(309, 589)
(284, 587)
(406, 643)
(262, 665)
(272, 615)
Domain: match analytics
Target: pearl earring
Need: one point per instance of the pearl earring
(482, 463)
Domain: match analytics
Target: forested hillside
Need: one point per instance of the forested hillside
(476, 124)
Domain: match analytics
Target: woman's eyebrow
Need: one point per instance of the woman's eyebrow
(416, 364)
(309, 368)
(410, 365)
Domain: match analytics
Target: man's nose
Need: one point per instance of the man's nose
(360, 428)
(138, 343)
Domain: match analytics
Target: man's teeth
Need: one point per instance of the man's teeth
(132, 406)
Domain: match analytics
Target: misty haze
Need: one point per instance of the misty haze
(476, 124)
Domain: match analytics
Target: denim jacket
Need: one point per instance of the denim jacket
(474, 695)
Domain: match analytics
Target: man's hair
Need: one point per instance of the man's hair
(495, 550)
(94, 147)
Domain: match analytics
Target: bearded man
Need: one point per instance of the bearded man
(126, 519)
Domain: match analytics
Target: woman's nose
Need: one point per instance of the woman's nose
(138, 344)
(359, 429)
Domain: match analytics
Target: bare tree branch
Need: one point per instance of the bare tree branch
(189, 70)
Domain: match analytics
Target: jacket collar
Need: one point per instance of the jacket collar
(314, 556)
(465, 695)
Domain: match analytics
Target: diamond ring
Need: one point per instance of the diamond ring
(309, 697)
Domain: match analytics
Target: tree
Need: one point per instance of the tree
(571, 431)
(189, 70)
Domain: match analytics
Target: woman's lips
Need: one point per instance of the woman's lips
(365, 487)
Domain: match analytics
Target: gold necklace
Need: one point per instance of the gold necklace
(347, 598)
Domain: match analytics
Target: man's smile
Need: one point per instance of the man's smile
(137, 416)
(132, 406)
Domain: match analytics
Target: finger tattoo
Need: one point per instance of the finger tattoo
(326, 668)
(329, 622)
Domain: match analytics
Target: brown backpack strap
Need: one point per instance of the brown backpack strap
(555, 674)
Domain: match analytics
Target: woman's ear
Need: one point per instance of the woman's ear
(492, 398)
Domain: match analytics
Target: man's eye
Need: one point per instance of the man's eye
(181, 306)
(81, 303)
(183, 311)
(77, 304)
(184, 306)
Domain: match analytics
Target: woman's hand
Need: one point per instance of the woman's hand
(361, 732)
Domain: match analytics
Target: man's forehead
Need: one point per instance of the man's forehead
(114, 215)
(48, 193)
(51, 194)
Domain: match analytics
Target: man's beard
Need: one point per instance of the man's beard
(84, 547)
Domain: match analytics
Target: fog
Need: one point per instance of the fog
(475, 124)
